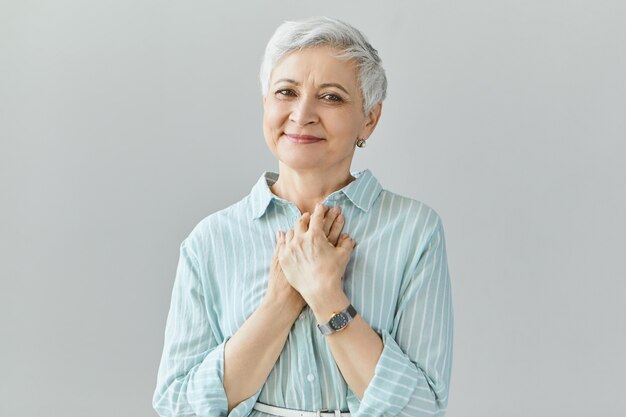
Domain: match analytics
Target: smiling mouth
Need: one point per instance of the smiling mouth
(302, 139)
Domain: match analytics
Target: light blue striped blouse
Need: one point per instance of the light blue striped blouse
(397, 279)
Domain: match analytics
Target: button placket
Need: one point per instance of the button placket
(306, 355)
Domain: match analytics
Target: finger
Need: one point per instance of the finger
(275, 257)
(289, 235)
(346, 242)
(280, 239)
(335, 230)
(317, 218)
(302, 224)
(278, 253)
(329, 219)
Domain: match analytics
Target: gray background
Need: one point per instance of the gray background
(124, 123)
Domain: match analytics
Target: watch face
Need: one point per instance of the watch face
(338, 321)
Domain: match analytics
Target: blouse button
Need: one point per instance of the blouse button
(310, 377)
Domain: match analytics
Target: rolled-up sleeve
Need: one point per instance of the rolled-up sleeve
(412, 376)
(190, 379)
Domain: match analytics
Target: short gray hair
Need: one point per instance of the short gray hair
(325, 31)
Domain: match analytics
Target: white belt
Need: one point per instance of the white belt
(289, 412)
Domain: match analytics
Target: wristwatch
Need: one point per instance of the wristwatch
(338, 321)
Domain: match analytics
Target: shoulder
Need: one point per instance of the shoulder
(410, 211)
(217, 222)
(419, 226)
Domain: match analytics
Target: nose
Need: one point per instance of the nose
(304, 111)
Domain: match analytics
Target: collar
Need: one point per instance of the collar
(362, 192)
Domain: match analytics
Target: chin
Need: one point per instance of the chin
(299, 157)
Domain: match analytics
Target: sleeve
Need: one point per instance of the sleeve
(412, 376)
(190, 379)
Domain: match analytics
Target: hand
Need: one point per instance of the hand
(333, 224)
(311, 263)
(279, 291)
(278, 288)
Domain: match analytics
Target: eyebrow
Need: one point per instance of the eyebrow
(339, 86)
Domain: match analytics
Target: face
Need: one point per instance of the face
(313, 111)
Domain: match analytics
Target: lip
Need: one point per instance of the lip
(295, 138)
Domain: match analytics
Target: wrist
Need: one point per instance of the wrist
(324, 307)
(286, 312)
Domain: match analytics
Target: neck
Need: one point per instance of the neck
(306, 188)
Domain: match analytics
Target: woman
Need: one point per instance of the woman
(276, 312)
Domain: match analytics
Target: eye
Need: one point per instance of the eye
(332, 97)
(285, 92)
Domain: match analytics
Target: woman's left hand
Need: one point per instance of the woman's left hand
(312, 264)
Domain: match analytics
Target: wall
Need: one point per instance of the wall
(123, 124)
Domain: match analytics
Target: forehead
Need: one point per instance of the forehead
(318, 64)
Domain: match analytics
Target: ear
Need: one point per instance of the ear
(371, 120)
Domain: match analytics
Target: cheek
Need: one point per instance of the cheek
(273, 118)
(346, 125)
(272, 127)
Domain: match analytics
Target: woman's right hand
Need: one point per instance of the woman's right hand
(279, 291)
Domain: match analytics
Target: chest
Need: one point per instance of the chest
(240, 270)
